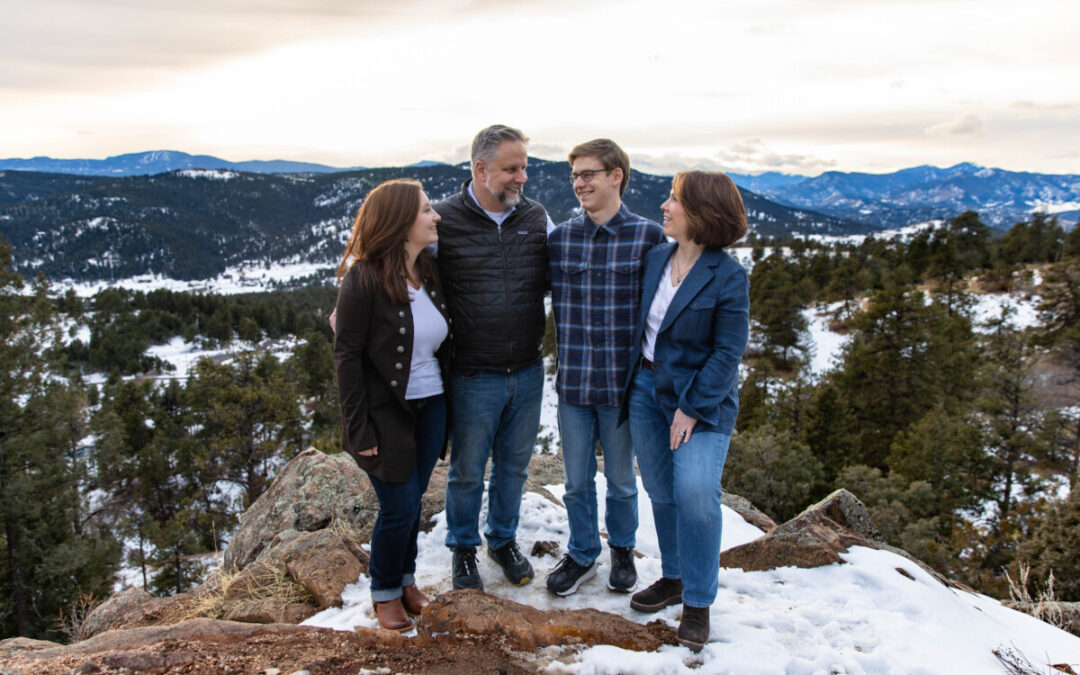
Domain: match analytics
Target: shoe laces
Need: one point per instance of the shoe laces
(513, 552)
(468, 562)
(566, 562)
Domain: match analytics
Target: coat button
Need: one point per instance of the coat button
(401, 314)
(400, 349)
(402, 330)
(442, 305)
(393, 383)
(397, 366)
(434, 294)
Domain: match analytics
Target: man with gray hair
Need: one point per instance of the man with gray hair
(492, 256)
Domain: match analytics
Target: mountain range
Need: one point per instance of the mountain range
(160, 161)
(1002, 198)
(887, 200)
(193, 223)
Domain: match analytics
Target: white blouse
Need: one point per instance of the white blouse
(659, 307)
(429, 331)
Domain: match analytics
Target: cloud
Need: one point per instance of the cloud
(962, 125)
(1045, 107)
(88, 44)
(749, 156)
(755, 155)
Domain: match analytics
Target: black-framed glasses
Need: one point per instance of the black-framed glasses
(587, 176)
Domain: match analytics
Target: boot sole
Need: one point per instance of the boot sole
(692, 646)
(649, 609)
(619, 589)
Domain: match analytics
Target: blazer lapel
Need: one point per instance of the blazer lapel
(652, 280)
(693, 283)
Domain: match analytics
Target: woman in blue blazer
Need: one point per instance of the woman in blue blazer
(684, 392)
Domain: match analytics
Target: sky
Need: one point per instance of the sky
(798, 86)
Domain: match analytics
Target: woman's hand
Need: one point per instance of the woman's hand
(681, 428)
(333, 321)
(370, 452)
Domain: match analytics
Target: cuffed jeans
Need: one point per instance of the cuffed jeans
(684, 488)
(393, 539)
(495, 415)
(580, 427)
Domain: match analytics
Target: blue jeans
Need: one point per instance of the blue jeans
(580, 427)
(684, 488)
(495, 415)
(393, 540)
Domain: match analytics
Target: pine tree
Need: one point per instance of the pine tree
(776, 302)
(248, 420)
(1012, 413)
(946, 452)
(905, 357)
(52, 550)
(1053, 545)
(773, 470)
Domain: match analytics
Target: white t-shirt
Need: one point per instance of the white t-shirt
(659, 307)
(429, 331)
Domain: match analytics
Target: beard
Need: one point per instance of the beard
(507, 199)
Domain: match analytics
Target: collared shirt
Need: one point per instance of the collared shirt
(596, 277)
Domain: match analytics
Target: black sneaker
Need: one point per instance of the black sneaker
(694, 627)
(568, 575)
(623, 576)
(464, 569)
(515, 566)
(658, 596)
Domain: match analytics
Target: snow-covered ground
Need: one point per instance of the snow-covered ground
(250, 277)
(184, 355)
(864, 616)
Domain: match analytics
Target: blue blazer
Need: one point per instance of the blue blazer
(701, 339)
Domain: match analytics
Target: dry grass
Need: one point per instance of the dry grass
(70, 621)
(1044, 607)
(1016, 663)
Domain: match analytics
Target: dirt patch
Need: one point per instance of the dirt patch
(318, 651)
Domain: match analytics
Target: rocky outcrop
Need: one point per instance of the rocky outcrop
(814, 538)
(295, 551)
(122, 609)
(312, 492)
(526, 628)
(123, 644)
(749, 513)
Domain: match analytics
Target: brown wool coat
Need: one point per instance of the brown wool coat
(372, 351)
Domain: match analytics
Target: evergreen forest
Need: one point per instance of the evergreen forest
(961, 435)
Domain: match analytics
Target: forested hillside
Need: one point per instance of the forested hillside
(194, 224)
(961, 435)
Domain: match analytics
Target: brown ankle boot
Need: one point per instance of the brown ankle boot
(694, 627)
(413, 599)
(392, 616)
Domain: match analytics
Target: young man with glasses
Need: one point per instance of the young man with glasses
(597, 260)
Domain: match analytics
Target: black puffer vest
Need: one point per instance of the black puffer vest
(495, 278)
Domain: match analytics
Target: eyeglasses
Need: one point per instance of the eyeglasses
(587, 176)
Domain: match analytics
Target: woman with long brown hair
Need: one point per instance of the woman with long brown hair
(391, 352)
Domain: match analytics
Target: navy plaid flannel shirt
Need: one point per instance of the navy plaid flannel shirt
(596, 277)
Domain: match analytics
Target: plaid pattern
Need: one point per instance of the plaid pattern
(596, 276)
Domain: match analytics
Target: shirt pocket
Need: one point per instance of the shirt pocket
(697, 317)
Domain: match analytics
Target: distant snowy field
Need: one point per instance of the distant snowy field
(861, 617)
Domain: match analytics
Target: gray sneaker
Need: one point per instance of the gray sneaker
(568, 576)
